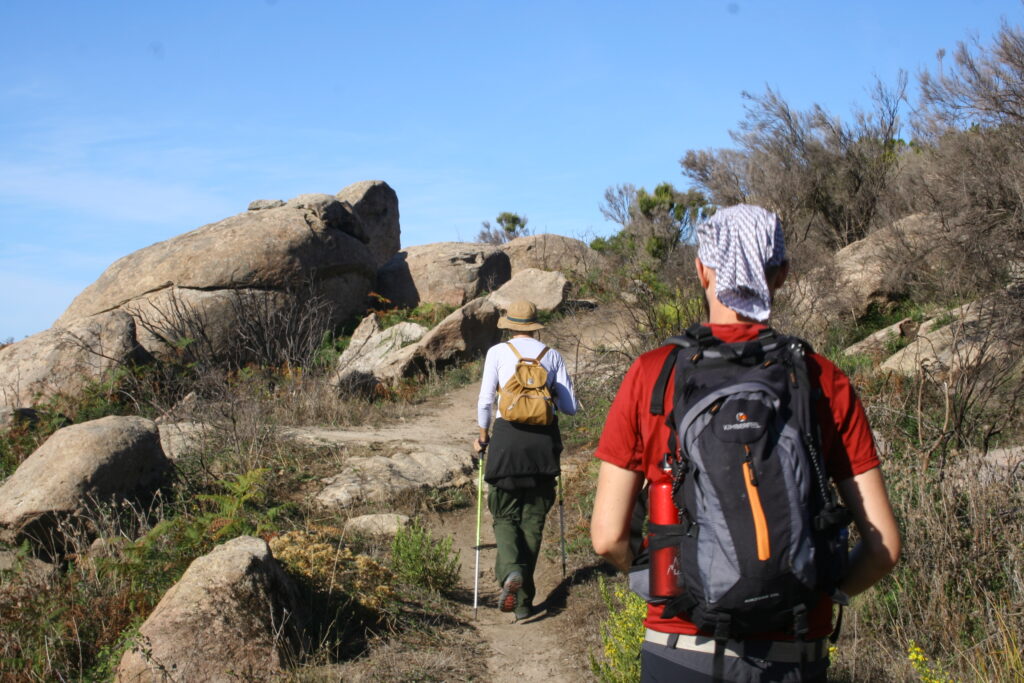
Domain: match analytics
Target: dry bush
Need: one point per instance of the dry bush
(959, 589)
(827, 178)
(958, 592)
(970, 134)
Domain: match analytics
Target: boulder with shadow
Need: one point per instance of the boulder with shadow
(234, 615)
(99, 462)
(451, 273)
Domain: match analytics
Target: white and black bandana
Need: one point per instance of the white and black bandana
(739, 242)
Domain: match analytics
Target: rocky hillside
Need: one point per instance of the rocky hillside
(240, 451)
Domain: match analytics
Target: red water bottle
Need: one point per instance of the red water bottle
(664, 569)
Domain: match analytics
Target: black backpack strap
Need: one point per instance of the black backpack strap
(658, 394)
(718, 663)
(723, 629)
(701, 334)
(834, 636)
(636, 525)
(688, 340)
(803, 406)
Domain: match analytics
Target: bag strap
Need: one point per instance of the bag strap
(519, 356)
(696, 336)
(512, 346)
(657, 406)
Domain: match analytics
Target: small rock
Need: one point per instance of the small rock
(34, 568)
(109, 546)
(180, 438)
(377, 525)
(545, 288)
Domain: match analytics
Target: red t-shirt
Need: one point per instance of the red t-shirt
(633, 439)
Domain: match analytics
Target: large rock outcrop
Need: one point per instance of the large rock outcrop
(63, 359)
(377, 205)
(551, 252)
(113, 458)
(271, 259)
(232, 616)
(873, 272)
(449, 273)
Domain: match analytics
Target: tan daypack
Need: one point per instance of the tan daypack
(525, 398)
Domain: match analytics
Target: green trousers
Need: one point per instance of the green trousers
(518, 528)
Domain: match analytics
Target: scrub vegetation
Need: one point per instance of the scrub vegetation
(954, 607)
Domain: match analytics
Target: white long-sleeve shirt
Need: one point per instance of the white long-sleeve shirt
(499, 365)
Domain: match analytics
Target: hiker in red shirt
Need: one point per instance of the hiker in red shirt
(741, 262)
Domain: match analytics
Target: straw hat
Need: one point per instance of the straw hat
(521, 316)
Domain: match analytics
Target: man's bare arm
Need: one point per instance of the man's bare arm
(879, 549)
(613, 508)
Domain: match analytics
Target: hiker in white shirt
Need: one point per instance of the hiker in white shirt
(522, 459)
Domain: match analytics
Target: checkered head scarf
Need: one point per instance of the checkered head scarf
(739, 242)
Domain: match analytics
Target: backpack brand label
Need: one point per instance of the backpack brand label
(741, 425)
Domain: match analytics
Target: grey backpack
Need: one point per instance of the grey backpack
(761, 534)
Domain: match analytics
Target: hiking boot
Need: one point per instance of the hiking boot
(510, 592)
(524, 611)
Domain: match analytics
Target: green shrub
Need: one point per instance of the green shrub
(426, 314)
(21, 439)
(622, 635)
(419, 559)
(331, 347)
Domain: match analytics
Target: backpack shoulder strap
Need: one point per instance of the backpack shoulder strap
(541, 354)
(512, 346)
(696, 337)
(657, 406)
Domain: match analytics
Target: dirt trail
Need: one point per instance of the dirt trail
(539, 648)
(543, 647)
(536, 649)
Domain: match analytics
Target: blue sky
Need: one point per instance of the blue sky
(126, 123)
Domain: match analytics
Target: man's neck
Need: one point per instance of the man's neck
(720, 314)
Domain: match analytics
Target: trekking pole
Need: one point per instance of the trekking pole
(561, 521)
(479, 513)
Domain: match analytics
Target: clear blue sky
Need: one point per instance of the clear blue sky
(123, 123)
